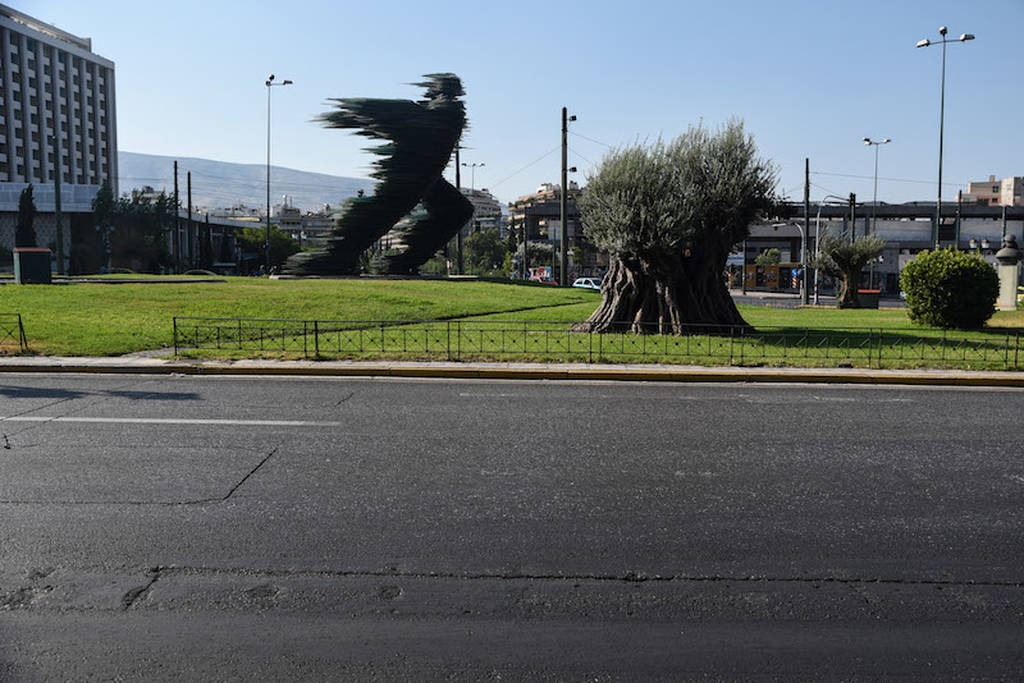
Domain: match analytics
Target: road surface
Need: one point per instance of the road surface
(250, 528)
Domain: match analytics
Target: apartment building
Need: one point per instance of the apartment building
(56, 111)
(992, 192)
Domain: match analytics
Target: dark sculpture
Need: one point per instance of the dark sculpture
(420, 138)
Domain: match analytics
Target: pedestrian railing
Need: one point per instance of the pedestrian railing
(12, 332)
(579, 342)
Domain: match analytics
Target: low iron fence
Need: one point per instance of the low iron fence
(463, 339)
(12, 332)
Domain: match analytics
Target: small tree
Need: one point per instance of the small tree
(25, 234)
(949, 288)
(769, 257)
(484, 252)
(282, 245)
(103, 207)
(844, 260)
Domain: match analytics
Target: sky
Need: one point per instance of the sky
(809, 79)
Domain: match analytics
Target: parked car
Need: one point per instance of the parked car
(587, 283)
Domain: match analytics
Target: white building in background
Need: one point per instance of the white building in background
(486, 209)
(56, 94)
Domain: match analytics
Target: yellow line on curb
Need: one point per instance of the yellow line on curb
(540, 373)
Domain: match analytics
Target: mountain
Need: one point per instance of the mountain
(219, 184)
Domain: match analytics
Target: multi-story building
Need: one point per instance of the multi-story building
(992, 192)
(56, 112)
(486, 209)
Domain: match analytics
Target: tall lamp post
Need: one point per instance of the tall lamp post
(266, 247)
(472, 175)
(874, 200)
(817, 234)
(564, 197)
(924, 42)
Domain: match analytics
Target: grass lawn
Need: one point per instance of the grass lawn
(113, 319)
(105, 320)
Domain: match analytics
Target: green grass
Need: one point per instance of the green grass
(102, 319)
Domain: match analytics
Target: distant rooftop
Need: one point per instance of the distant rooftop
(43, 27)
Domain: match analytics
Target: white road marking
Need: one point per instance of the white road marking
(171, 421)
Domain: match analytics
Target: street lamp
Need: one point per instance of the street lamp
(817, 233)
(472, 175)
(266, 247)
(803, 256)
(924, 42)
(874, 201)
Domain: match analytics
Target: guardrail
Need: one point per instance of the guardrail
(574, 341)
(12, 332)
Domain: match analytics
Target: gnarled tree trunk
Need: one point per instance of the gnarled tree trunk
(667, 295)
(848, 288)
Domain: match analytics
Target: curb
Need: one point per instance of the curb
(564, 373)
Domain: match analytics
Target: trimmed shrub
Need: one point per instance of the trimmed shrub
(949, 288)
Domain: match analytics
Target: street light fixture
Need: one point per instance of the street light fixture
(874, 201)
(472, 175)
(924, 42)
(266, 247)
(817, 233)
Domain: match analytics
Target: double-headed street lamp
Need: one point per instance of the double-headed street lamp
(472, 175)
(874, 201)
(924, 42)
(266, 249)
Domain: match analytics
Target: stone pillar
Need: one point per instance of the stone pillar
(1008, 257)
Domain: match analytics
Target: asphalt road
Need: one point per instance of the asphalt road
(243, 528)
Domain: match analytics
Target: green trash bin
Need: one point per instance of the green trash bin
(32, 266)
(869, 297)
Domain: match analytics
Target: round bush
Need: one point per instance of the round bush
(949, 288)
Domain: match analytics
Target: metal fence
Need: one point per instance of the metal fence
(569, 341)
(12, 332)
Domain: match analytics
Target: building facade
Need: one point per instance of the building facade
(992, 192)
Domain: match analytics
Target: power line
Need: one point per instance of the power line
(580, 135)
(537, 160)
(582, 157)
(894, 180)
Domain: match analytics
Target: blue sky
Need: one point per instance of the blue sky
(808, 78)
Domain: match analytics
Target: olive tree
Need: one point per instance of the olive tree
(668, 214)
(844, 260)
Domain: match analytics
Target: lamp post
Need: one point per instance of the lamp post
(266, 247)
(817, 233)
(924, 42)
(472, 175)
(803, 255)
(874, 200)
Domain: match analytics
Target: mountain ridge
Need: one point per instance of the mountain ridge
(222, 184)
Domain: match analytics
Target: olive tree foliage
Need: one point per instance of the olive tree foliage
(668, 214)
(844, 260)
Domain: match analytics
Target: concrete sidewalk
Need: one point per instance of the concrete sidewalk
(540, 371)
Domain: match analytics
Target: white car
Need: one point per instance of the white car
(588, 283)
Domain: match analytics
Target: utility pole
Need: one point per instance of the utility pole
(458, 235)
(804, 292)
(563, 276)
(188, 225)
(176, 240)
(56, 200)
(853, 216)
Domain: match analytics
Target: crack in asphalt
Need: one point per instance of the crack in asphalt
(627, 577)
(140, 592)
